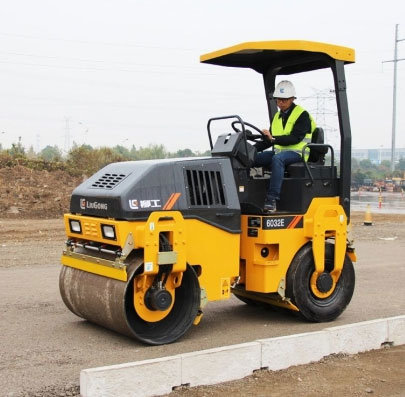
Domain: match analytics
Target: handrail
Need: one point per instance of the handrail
(309, 145)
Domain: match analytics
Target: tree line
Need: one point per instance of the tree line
(85, 160)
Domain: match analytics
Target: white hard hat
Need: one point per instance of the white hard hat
(284, 89)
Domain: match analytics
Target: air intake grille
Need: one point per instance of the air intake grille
(205, 188)
(108, 181)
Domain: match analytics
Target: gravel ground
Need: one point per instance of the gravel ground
(43, 346)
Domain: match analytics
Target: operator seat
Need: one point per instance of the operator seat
(317, 153)
(305, 180)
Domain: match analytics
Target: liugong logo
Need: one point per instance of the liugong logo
(136, 204)
(94, 205)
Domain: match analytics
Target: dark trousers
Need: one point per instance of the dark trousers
(276, 163)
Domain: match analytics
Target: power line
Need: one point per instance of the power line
(109, 43)
(190, 71)
(89, 60)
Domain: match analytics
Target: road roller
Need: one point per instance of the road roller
(150, 243)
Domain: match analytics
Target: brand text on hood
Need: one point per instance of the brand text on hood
(94, 205)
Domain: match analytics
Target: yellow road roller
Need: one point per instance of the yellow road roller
(150, 243)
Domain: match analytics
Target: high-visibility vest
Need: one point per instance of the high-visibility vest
(277, 129)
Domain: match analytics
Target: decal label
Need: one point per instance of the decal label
(282, 222)
(137, 204)
(93, 205)
(148, 266)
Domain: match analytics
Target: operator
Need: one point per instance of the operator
(291, 130)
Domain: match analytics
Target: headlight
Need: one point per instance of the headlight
(75, 226)
(108, 232)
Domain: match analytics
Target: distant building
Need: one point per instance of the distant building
(376, 156)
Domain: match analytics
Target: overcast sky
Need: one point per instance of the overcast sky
(128, 72)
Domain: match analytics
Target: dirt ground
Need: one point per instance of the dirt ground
(27, 241)
(27, 193)
(377, 373)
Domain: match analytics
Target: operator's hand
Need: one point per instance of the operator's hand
(267, 134)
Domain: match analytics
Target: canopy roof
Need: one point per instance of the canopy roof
(291, 56)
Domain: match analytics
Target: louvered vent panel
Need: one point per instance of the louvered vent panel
(91, 229)
(205, 188)
(108, 181)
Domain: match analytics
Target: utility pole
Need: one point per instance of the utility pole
(394, 100)
(67, 135)
(38, 139)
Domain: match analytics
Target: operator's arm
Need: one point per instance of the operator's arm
(263, 145)
(301, 127)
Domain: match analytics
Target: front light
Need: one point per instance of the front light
(108, 231)
(75, 226)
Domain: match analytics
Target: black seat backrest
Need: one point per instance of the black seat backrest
(317, 154)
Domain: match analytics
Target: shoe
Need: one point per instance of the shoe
(270, 206)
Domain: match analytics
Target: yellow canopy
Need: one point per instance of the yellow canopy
(293, 56)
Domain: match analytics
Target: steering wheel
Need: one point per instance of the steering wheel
(249, 135)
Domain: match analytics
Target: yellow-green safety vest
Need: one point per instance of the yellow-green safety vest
(277, 129)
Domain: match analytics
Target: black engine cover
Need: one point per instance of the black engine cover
(202, 188)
